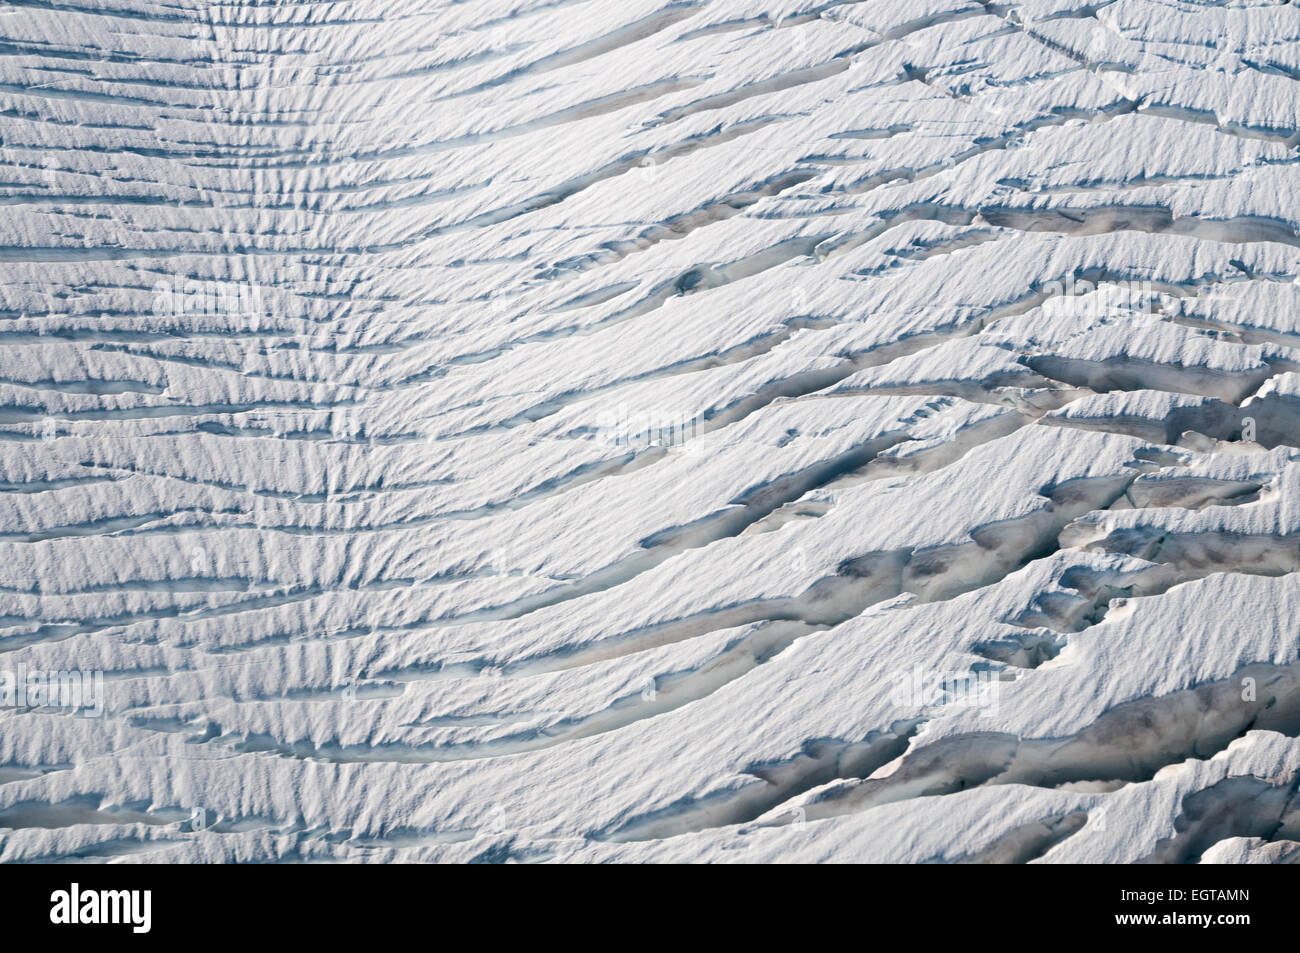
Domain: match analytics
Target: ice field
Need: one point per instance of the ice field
(638, 430)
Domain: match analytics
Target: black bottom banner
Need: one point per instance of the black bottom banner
(141, 904)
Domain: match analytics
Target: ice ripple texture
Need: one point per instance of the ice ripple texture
(579, 430)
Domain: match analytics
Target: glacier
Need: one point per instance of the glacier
(650, 431)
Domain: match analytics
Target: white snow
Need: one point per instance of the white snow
(653, 430)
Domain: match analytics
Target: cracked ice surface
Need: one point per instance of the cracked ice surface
(643, 430)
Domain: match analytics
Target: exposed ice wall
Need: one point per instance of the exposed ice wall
(644, 430)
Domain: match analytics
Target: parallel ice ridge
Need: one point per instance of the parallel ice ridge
(651, 429)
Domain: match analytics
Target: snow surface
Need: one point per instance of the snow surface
(625, 430)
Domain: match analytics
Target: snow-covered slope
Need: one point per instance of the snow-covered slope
(665, 430)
